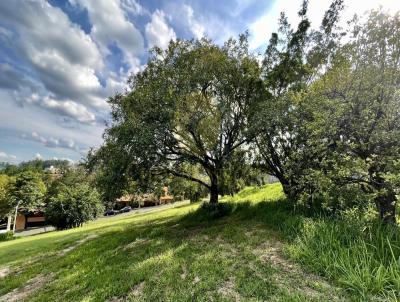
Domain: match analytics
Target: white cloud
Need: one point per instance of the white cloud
(133, 7)
(63, 58)
(158, 32)
(110, 25)
(7, 157)
(38, 156)
(69, 108)
(195, 26)
(53, 142)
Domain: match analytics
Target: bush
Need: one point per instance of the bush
(73, 206)
(6, 236)
(216, 210)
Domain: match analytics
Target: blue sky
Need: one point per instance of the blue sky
(61, 59)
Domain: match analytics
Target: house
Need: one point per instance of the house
(29, 219)
(145, 200)
(55, 173)
(166, 198)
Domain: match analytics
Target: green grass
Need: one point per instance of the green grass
(184, 254)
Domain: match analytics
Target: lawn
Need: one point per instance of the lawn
(178, 254)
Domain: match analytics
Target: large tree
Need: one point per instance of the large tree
(363, 86)
(294, 59)
(190, 105)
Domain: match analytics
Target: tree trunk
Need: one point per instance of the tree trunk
(386, 205)
(288, 189)
(214, 189)
(9, 218)
(385, 201)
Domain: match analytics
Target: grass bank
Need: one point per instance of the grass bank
(186, 254)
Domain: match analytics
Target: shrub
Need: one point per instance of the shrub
(73, 206)
(6, 236)
(216, 210)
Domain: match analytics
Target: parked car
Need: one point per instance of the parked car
(111, 212)
(125, 209)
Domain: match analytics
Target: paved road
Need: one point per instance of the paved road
(49, 228)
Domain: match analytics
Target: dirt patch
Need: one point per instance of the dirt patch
(4, 272)
(291, 276)
(133, 244)
(271, 252)
(78, 243)
(184, 273)
(30, 287)
(137, 290)
(196, 280)
(228, 289)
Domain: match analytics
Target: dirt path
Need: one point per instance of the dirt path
(28, 289)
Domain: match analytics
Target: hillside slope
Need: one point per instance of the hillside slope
(178, 254)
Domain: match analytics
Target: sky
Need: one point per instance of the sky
(61, 59)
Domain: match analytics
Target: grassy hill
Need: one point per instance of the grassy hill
(187, 254)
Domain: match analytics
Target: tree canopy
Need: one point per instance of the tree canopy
(191, 105)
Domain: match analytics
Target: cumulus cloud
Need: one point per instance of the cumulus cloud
(133, 7)
(54, 142)
(195, 26)
(69, 108)
(7, 157)
(63, 59)
(10, 78)
(111, 26)
(158, 32)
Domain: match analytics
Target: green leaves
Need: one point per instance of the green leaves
(29, 189)
(73, 205)
(191, 105)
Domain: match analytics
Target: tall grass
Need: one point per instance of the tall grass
(364, 260)
(360, 254)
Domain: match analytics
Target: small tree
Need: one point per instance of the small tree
(6, 183)
(191, 105)
(73, 205)
(29, 189)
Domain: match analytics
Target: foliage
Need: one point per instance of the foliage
(73, 205)
(6, 236)
(29, 190)
(36, 165)
(189, 106)
(286, 146)
(362, 87)
(6, 183)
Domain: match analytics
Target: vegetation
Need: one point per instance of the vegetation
(6, 183)
(318, 112)
(28, 191)
(324, 116)
(191, 105)
(67, 198)
(73, 206)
